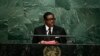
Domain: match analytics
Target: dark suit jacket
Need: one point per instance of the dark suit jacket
(42, 31)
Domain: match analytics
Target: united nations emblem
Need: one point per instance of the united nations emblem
(52, 51)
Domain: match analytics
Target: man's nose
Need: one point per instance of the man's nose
(52, 20)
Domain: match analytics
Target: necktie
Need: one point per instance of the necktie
(50, 37)
(49, 31)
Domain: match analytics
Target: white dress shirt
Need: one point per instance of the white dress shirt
(47, 29)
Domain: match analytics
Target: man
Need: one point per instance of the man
(49, 28)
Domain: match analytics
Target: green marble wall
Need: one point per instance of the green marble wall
(80, 18)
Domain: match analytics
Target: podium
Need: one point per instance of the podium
(38, 50)
(53, 50)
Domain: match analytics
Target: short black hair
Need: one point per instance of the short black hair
(46, 14)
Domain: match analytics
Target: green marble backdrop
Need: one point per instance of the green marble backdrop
(80, 18)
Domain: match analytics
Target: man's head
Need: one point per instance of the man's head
(49, 19)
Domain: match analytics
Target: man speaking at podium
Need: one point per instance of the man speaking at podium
(49, 28)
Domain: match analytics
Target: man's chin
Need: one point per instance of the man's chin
(52, 25)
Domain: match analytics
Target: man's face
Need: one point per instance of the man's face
(50, 21)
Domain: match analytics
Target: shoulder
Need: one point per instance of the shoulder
(59, 27)
(39, 27)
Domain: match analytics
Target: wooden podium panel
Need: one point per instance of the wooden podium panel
(48, 50)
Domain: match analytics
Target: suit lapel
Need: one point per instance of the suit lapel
(43, 30)
(54, 30)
